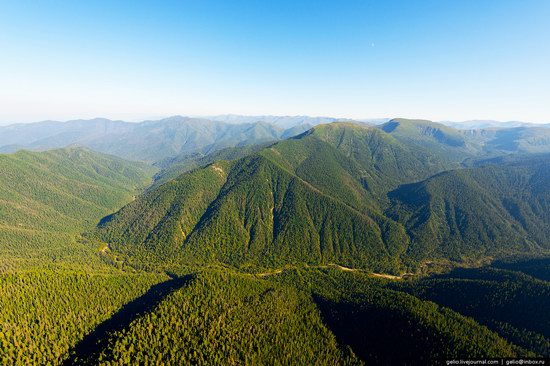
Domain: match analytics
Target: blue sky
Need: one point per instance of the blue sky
(441, 60)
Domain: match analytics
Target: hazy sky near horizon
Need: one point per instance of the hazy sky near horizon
(440, 60)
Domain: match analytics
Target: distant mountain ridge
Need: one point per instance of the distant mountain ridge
(157, 140)
(147, 141)
(279, 121)
(488, 124)
(375, 197)
(456, 145)
(331, 230)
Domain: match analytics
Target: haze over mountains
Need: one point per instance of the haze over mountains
(153, 141)
(279, 121)
(207, 241)
(337, 193)
(145, 141)
(479, 124)
(381, 198)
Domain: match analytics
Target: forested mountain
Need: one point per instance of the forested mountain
(313, 198)
(224, 317)
(338, 193)
(458, 144)
(445, 142)
(489, 210)
(148, 141)
(45, 311)
(380, 158)
(78, 185)
(48, 198)
(219, 239)
(302, 316)
(171, 168)
(165, 139)
(375, 320)
(234, 254)
(494, 298)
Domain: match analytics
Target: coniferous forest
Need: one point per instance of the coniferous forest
(275, 182)
(336, 246)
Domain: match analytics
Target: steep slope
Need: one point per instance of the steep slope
(171, 168)
(312, 198)
(266, 215)
(249, 212)
(160, 221)
(489, 210)
(373, 158)
(46, 198)
(382, 159)
(322, 197)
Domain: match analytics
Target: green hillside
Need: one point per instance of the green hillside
(512, 304)
(247, 212)
(257, 242)
(48, 198)
(300, 316)
(315, 198)
(322, 197)
(266, 215)
(494, 209)
(224, 318)
(373, 319)
(44, 313)
(446, 142)
(156, 223)
(376, 159)
(173, 167)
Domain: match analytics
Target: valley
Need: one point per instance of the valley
(331, 246)
(274, 183)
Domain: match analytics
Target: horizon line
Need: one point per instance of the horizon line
(210, 116)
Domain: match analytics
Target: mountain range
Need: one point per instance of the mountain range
(157, 140)
(148, 141)
(286, 239)
(484, 124)
(378, 198)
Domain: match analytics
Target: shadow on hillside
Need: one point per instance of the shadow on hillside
(105, 220)
(86, 352)
(377, 336)
(535, 267)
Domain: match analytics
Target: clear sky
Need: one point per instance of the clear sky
(441, 60)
